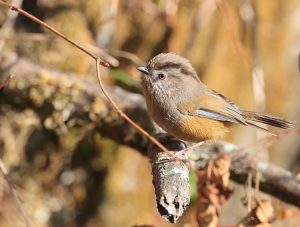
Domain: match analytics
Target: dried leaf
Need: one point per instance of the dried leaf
(264, 211)
(207, 214)
(260, 216)
(212, 190)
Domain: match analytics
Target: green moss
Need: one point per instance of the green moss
(107, 150)
(122, 77)
(193, 185)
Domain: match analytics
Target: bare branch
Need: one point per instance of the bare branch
(82, 101)
(274, 180)
(170, 179)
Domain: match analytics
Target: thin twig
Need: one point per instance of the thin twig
(35, 19)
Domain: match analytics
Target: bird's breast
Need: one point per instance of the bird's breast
(197, 129)
(162, 109)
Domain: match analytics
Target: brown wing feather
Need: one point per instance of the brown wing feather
(213, 106)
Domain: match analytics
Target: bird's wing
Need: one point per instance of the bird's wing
(214, 106)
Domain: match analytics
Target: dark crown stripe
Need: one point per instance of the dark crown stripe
(168, 65)
(184, 70)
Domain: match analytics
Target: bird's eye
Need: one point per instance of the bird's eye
(161, 76)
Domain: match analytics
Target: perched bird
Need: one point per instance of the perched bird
(186, 108)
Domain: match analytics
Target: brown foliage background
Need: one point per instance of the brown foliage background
(75, 176)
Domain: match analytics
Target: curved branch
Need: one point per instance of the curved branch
(73, 100)
(274, 180)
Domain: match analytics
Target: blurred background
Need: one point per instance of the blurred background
(73, 174)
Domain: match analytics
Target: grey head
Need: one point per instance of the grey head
(168, 73)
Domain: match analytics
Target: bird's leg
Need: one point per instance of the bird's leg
(183, 151)
(174, 145)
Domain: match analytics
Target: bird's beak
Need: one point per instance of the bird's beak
(143, 70)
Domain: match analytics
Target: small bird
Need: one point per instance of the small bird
(189, 110)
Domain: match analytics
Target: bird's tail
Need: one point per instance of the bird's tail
(253, 117)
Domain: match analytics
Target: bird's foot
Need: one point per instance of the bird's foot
(180, 153)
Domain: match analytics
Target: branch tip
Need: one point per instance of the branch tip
(14, 8)
(104, 64)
